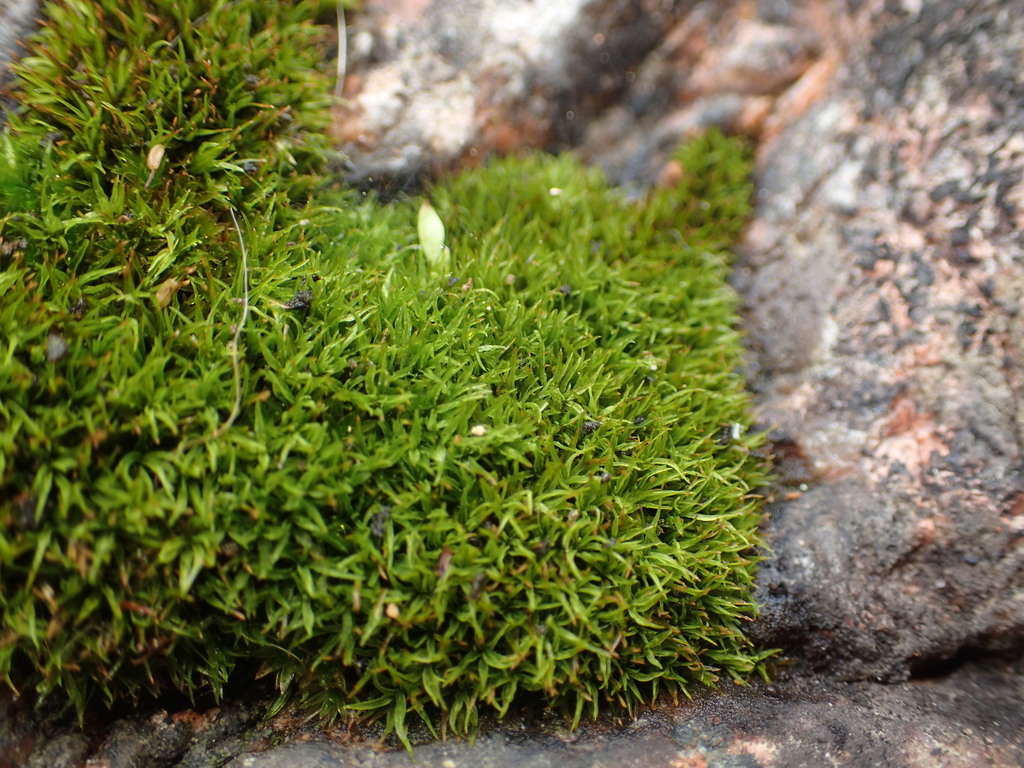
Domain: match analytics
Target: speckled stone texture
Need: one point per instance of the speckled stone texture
(882, 280)
(437, 83)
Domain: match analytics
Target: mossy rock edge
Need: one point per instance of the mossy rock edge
(245, 422)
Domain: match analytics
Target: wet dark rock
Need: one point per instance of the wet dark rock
(157, 740)
(66, 750)
(218, 736)
(149, 738)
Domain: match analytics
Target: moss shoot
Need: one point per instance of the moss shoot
(248, 426)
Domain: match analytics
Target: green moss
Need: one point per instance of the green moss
(244, 422)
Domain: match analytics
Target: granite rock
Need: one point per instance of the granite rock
(883, 279)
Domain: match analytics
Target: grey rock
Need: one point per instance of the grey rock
(16, 21)
(65, 750)
(155, 740)
(882, 280)
(432, 83)
(974, 715)
(302, 754)
(220, 735)
(147, 738)
(16, 18)
(971, 717)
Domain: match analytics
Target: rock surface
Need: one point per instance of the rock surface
(15, 18)
(434, 83)
(796, 725)
(798, 722)
(883, 280)
(884, 277)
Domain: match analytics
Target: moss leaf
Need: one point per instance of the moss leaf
(431, 233)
